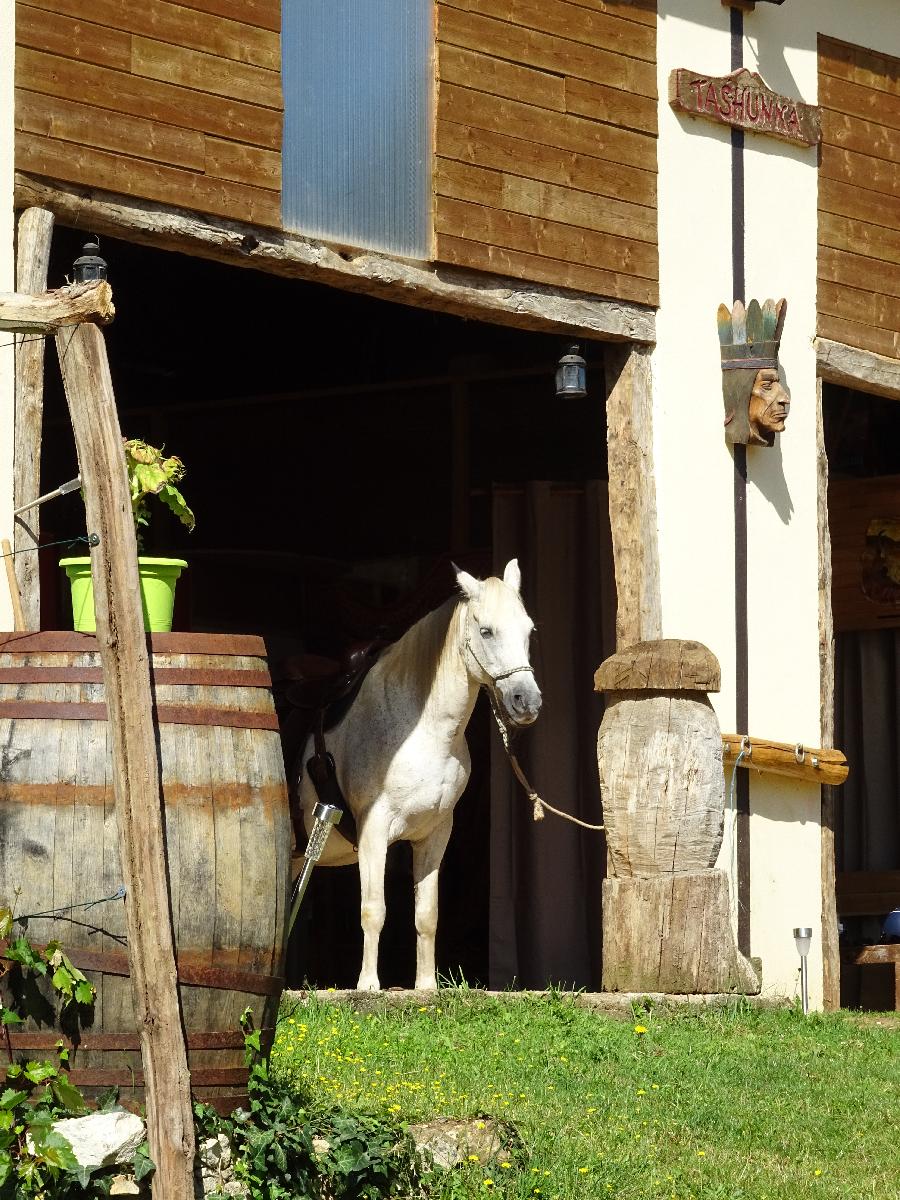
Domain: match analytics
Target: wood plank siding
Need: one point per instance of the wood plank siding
(176, 103)
(859, 198)
(545, 142)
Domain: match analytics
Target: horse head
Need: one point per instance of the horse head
(496, 630)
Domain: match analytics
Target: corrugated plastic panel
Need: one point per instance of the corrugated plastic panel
(358, 86)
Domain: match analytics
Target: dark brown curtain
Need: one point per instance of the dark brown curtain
(545, 878)
(867, 729)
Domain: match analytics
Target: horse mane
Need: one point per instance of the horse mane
(426, 654)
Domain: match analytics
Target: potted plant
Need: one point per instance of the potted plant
(150, 473)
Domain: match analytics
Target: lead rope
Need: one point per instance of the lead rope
(537, 804)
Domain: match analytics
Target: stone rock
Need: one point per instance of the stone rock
(450, 1141)
(104, 1139)
(124, 1185)
(216, 1167)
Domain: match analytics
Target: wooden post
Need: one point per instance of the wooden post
(126, 677)
(632, 494)
(32, 260)
(831, 951)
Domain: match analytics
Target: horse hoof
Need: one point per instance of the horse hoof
(368, 985)
(426, 985)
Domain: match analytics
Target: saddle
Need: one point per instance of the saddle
(312, 694)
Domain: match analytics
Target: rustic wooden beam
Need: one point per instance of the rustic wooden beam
(135, 767)
(831, 950)
(632, 495)
(35, 232)
(469, 294)
(72, 305)
(862, 370)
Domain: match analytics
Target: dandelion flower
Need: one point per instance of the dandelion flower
(817, 1171)
(641, 1092)
(474, 1158)
(488, 1183)
(640, 1029)
(506, 1165)
(701, 1153)
(582, 1170)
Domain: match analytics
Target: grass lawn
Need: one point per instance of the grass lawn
(696, 1105)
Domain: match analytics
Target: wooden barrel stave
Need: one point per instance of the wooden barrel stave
(227, 832)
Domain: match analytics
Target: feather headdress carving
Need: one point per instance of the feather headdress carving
(748, 342)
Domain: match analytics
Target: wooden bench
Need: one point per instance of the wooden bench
(869, 894)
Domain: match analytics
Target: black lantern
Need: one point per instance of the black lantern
(90, 265)
(571, 374)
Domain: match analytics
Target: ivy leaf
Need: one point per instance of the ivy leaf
(143, 1164)
(8, 1017)
(21, 951)
(68, 1095)
(63, 981)
(9, 1098)
(37, 1072)
(108, 1100)
(84, 993)
(55, 1151)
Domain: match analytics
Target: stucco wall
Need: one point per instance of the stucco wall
(694, 467)
(7, 58)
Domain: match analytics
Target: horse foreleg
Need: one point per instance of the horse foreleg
(372, 855)
(427, 856)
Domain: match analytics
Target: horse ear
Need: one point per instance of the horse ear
(468, 584)
(512, 576)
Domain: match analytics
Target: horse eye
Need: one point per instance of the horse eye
(485, 632)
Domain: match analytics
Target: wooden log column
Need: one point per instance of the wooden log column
(666, 909)
(35, 231)
(126, 676)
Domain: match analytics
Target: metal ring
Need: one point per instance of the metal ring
(745, 748)
(799, 752)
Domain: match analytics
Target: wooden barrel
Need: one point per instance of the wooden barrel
(228, 843)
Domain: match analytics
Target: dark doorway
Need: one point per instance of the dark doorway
(341, 452)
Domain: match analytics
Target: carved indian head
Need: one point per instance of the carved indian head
(756, 402)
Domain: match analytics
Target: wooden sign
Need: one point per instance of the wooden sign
(743, 100)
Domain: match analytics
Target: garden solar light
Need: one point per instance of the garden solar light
(325, 817)
(571, 374)
(802, 938)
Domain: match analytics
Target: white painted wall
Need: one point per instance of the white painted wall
(7, 276)
(694, 467)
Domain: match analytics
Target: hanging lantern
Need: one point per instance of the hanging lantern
(571, 374)
(90, 265)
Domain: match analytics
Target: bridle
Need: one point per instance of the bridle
(493, 680)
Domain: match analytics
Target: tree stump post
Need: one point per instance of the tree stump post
(35, 232)
(666, 909)
(122, 643)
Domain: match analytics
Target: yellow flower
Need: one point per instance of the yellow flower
(474, 1158)
(488, 1183)
(640, 1029)
(701, 1153)
(506, 1165)
(582, 1170)
(655, 1086)
(424, 1008)
(641, 1092)
(817, 1171)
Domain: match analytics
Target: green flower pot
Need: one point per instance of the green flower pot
(158, 576)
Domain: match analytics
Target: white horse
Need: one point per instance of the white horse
(401, 754)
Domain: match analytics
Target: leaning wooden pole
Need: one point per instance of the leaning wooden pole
(35, 231)
(126, 677)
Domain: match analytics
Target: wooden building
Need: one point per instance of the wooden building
(426, 201)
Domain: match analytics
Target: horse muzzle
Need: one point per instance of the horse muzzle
(521, 699)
